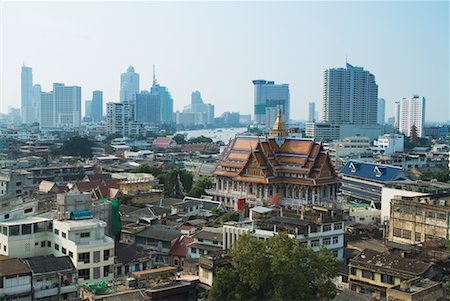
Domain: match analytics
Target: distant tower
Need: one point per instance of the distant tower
(381, 111)
(27, 95)
(129, 85)
(279, 131)
(412, 113)
(268, 98)
(312, 112)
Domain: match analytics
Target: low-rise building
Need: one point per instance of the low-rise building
(390, 143)
(15, 280)
(417, 289)
(15, 183)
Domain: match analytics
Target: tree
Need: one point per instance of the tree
(200, 139)
(77, 146)
(198, 189)
(145, 168)
(442, 175)
(279, 268)
(176, 182)
(179, 139)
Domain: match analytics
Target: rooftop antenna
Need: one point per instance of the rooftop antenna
(154, 75)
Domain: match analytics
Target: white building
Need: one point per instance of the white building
(27, 94)
(67, 104)
(412, 112)
(120, 118)
(129, 85)
(311, 111)
(84, 240)
(14, 183)
(390, 144)
(349, 148)
(15, 280)
(397, 114)
(268, 98)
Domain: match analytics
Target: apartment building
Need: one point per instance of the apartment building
(15, 279)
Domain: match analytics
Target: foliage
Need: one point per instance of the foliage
(200, 139)
(145, 168)
(111, 137)
(220, 143)
(179, 138)
(442, 175)
(176, 182)
(198, 189)
(279, 268)
(77, 146)
(126, 199)
(224, 217)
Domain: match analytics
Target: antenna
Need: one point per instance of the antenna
(154, 75)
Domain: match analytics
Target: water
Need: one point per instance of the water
(224, 134)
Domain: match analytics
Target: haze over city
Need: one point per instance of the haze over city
(219, 48)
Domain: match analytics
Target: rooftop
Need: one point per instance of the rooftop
(10, 266)
(50, 263)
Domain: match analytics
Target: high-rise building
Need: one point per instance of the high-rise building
(381, 111)
(47, 118)
(165, 99)
(412, 112)
(312, 112)
(97, 106)
(268, 98)
(129, 85)
(67, 105)
(148, 108)
(204, 112)
(27, 95)
(88, 109)
(397, 114)
(350, 96)
(120, 118)
(36, 102)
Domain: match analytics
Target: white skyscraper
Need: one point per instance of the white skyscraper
(129, 85)
(268, 97)
(350, 96)
(412, 112)
(381, 111)
(47, 118)
(397, 114)
(120, 118)
(27, 95)
(312, 111)
(36, 102)
(67, 104)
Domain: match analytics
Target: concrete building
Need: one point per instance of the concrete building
(381, 111)
(268, 98)
(412, 112)
(390, 144)
(165, 101)
(129, 85)
(97, 106)
(36, 94)
(397, 114)
(312, 112)
(120, 118)
(67, 106)
(350, 96)
(417, 289)
(148, 108)
(349, 148)
(204, 112)
(185, 119)
(15, 280)
(264, 170)
(47, 116)
(88, 109)
(334, 131)
(15, 183)
(27, 95)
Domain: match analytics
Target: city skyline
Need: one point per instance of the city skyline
(297, 52)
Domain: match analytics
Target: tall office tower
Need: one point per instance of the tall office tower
(47, 118)
(397, 114)
(412, 112)
(67, 104)
(120, 117)
(36, 102)
(312, 112)
(210, 113)
(97, 105)
(204, 112)
(88, 109)
(129, 85)
(268, 97)
(166, 101)
(27, 94)
(148, 108)
(350, 96)
(381, 111)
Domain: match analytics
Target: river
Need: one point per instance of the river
(222, 134)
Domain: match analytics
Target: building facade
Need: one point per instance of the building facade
(268, 98)
(412, 113)
(381, 111)
(312, 112)
(97, 106)
(129, 85)
(148, 108)
(26, 77)
(67, 106)
(120, 118)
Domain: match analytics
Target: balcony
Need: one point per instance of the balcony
(45, 292)
(69, 288)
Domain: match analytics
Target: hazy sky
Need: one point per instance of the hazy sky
(218, 48)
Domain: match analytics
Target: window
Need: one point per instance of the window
(63, 234)
(56, 247)
(335, 240)
(18, 183)
(85, 234)
(397, 232)
(441, 216)
(175, 261)
(43, 244)
(418, 236)
(326, 241)
(56, 231)
(26, 229)
(352, 271)
(119, 271)
(63, 250)
(368, 274)
(127, 269)
(96, 256)
(106, 271)
(84, 257)
(315, 243)
(387, 279)
(84, 273)
(7, 216)
(4, 248)
(49, 244)
(106, 255)
(14, 230)
(406, 234)
(28, 210)
(326, 228)
(96, 272)
(193, 250)
(71, 254)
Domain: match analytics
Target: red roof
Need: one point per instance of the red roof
(180, 247)
(163, 142)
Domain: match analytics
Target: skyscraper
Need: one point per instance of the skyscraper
(312, 112)
(27, 95)
(36, 103)
(203, 112)
(120, 118)
(412, 112)
(148, 108)
(47, 118)
(381, 111)
(88, 109)
(350, 96)
(268, 97)
(166, 101)
(97, 106)
(129, 85)
(67, 104)
(397, 114)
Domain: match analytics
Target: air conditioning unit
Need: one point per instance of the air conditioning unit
(130, 282)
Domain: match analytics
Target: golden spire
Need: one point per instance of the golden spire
(279, 130)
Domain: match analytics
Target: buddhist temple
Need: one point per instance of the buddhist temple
(274, 170)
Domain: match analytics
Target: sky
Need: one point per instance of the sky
(218, 48)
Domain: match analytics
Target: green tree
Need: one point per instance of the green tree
(198, 189)
(279, 268)
(200, 139)
(145, 168)
(177, 182)
(442, 175)
(179, 139)
(77, 146)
